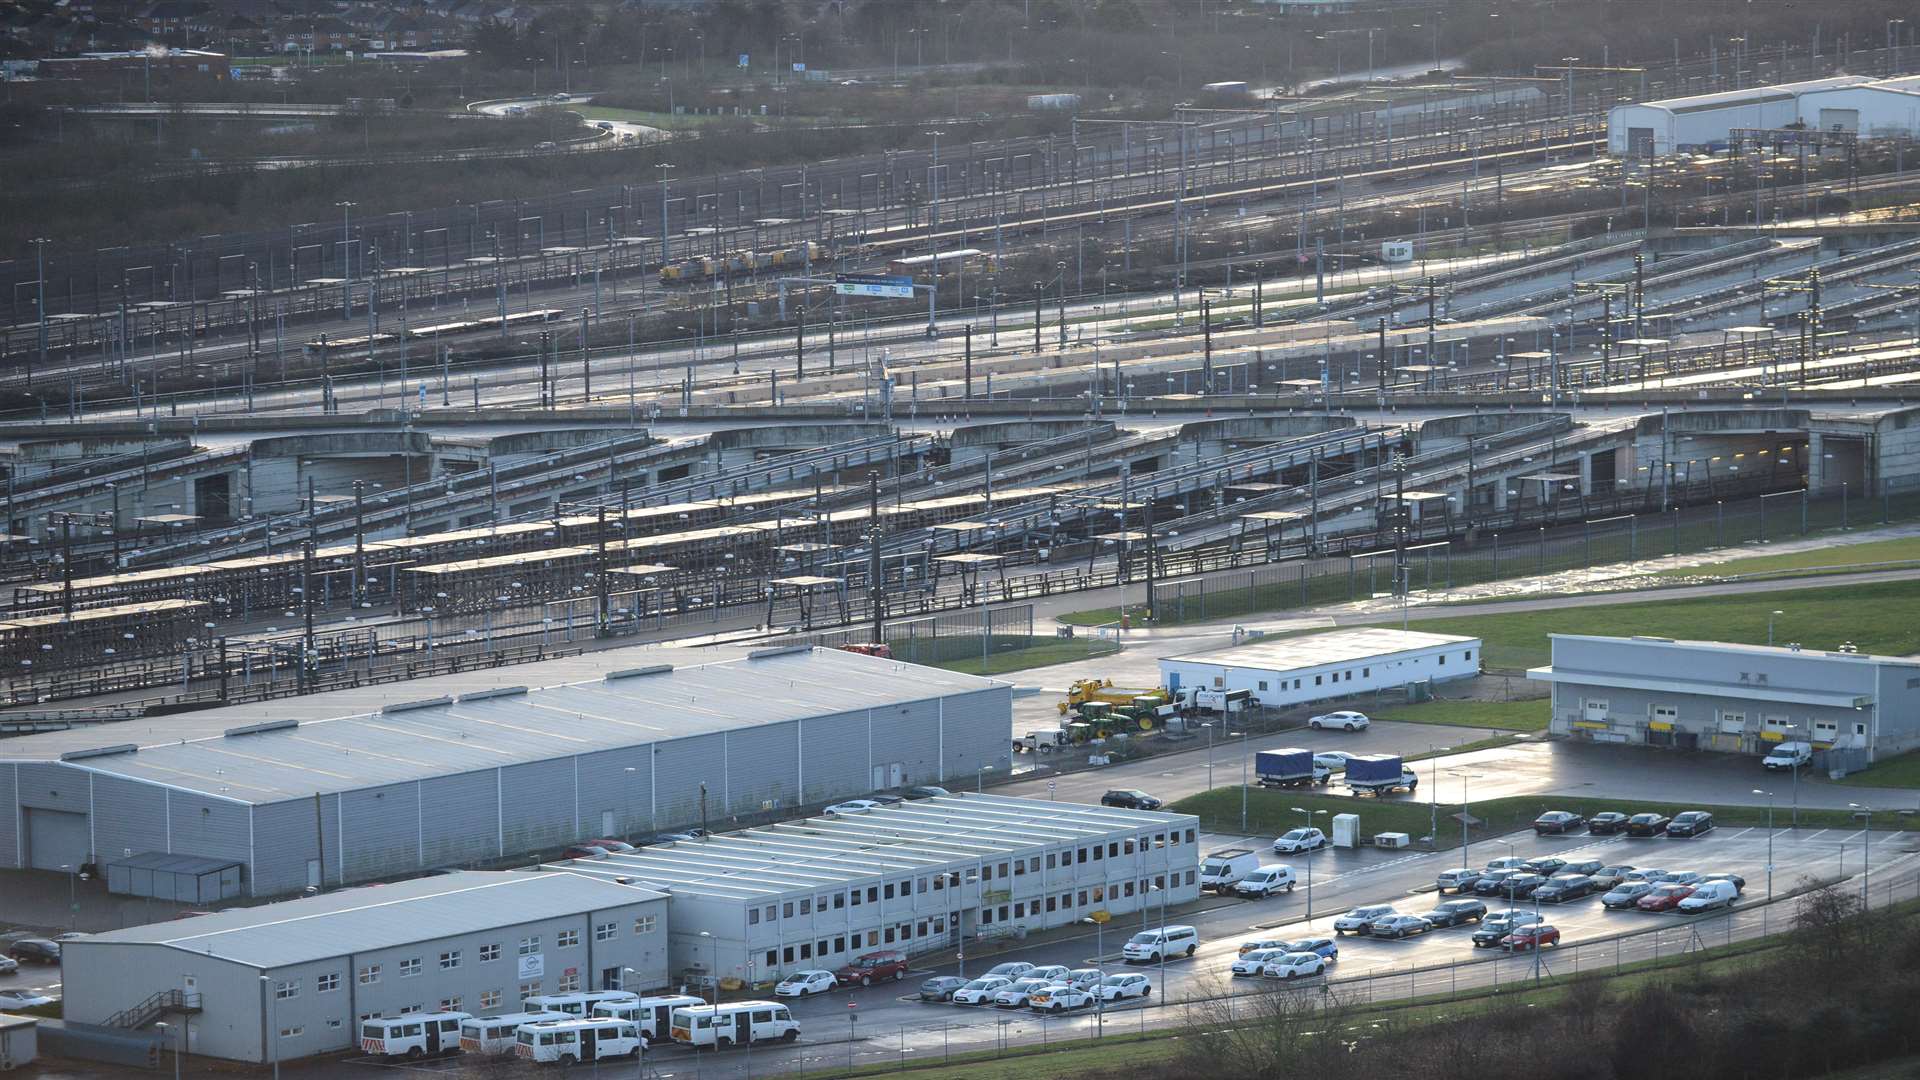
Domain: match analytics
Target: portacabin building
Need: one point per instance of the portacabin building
(1281, 671)
(289, 980)
(921, 875)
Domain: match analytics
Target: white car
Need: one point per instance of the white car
(853, 806)
(1252, 963)
(22, 999)
(1263, 943)
(1119, 987)
(1012, 969)
(1295, 965)
(1331, 759)
(1361, 919)
(8, 965)
(1296, 840)
(1345, 720)
(981, 990)
(804, 983)
(1017, 994)
(1052, 973)
(1059, 997)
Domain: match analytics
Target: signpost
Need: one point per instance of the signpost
(883, 285)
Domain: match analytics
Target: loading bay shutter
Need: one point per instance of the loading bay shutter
(56, 838)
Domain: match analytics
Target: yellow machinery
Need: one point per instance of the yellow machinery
(1085, 690)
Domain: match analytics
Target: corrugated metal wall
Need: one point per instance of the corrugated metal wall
(211, 827)
(460, 819)
(606, 787)
(9, 817)
(679, 768)
(128, 816)
(833, 755)
(284, 840)
(382, 830)
(538, 805)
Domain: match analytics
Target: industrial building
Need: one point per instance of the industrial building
(1849, 104)
(917, 876)
(289, 980)
(1713, 695)
(1885, 108)
(340, 788)
(1277, 672)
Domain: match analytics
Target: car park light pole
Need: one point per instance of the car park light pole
(1866, 849)
(713, 995)
(1209, 726)
(1433, 795)
(639, 1070)
(1309, 815)
(1769, 796)
(180, 1041)
(1465, 815)
(1243, 783)
(273, 1046)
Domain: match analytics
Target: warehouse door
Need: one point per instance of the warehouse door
(1640, 142)
(1839, 119)
(56, 838)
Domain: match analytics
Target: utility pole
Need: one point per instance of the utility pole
(602, 579)
(359, 539)
(876, 597)
(306, 605)
(1039, 293)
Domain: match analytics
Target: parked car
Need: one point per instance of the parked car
(1557, 821)
(1297, 840)
(1607, 823)
(1164, 943)
(873, 967)
(1648, 874)
(1295, 965)
(1085, 978)
(1689, 824)
(1627, 894)
(1608, 877)
(1119, 987)
(1526, 938)
(941, 987)
(1495, 927)
(1456, 912)
(1664, 897)
(1564, 887)
(1265, 882)
(1012, 969)
(887, 800)
(8, 965)
(1130, 799)
(1059, 997)
(1052, 973)
(1709, 895)
(852, 806)
(1331, 759)
(617, 847)
(1361, 919)
(1521, 885)
(1263, 943)
(1017, 994)
(806, 984)
(1345, 720)
(1544, 865)
(980, 991)
(1739, 883)
(1489, 883)
(75, 935)
(1324, 947)
(1583, 867)
(1788, 755)
(926, 791)
(1399, 926)
(1457, 880)
(22, 999)
(1507, 862)
(585, 851)
(1252, 963)
(1647, 824)
(35, 951)
(1679, 877)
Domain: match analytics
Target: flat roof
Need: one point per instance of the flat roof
(441, 726)
(1752, 95)
(1319, 650)
(1702, 687)
(1766, 651)
(916, 836)
(366, 918)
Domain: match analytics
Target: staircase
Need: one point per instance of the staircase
(153, 1008)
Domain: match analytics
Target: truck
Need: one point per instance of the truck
(1040, 742)
(1378, 774)
(1220, 701)
(1288, 767)
(1085, 690)
(1222, 870)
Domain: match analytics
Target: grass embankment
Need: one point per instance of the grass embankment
(1053, 651)
(1895, 772)
(1872, 555)
(1527, 715)
(1272, 812)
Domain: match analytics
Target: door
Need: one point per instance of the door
(313, 873)
(606, 823)
(879, 777)
(1640, 142)
(655, 1020)
(1595, 710)
(742, 1028)
(1173, 683)
(433, 1036)
(589, 1044)
(55, 839)
(896, 775)
(1839, 119)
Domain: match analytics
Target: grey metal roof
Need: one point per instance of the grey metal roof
(918, 836)
(175, 864)
(387, 916)
(1318, 650)
(281, 760)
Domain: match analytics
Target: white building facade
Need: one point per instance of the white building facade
(1279, 672)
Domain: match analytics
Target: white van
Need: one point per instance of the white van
(1164, 943)
(1788, 755)
(572, 1040)
(412, 1034)
(1266, 881)
(651, 1013)
(1709, 895)
(581, 1004)
(734, 1024)
(497, 1034)
(1222, 870)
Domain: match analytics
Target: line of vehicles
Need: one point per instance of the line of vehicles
(731, 263)
(1056, 988)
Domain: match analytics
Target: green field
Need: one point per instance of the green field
(1050, 651)
(1528, 715)
(1904, 550)
(1902, 771)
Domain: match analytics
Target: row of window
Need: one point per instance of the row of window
(874, 894)
(449, 960)
(1339, 676)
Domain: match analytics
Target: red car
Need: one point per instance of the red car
(873, 967)
(1665, 897)
(585, 851)
(1537, 936)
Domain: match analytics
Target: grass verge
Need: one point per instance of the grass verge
(1528, 715)
(1902, 771)
(1902, 550)
(1054, 651)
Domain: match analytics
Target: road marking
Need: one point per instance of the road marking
(1740, 834)
(1815, 836)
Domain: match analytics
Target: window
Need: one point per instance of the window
(753, 916)
(489, 999)
(854, 895)
(1190, 840)
(369, 974)
(820, 947)
(570, 982)
(1019, 867)
(606, 931)
(1468, 655)
(806, 951)
(1098, 852)
(529, 945)
(326, 984)
(1020, 911)
(820, 902)
(451, 1004)
(986, 916)
(288, 989)
(643, 924)
(1366, 673)
(873, 894)
(839, 944)
(529, 989)
(889, 891)
(906, 887)
(489, 953)
(333, 1023)
(1050, 903)
(418, 1006)
(889, 935)
(410, 967)
(567, 939)
(1083, 898)
(986, 872)
(1263, 685)
(1053, 860)
(1189, 877)
(787, 954)
(1113, 849)
(786, 911)
(1082, 856)
(1443, 659)
(1003, 872)
(873, 938)
(1318, 679)
(806, 905)
(450, 960)
(839, 901)
(292, 1032)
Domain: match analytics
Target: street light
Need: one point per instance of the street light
(980, 779)
(1309, 815)
(1866, 850)
(73, 899)
(1769, 796)
(713, 997)
(1433, 814)
(273, 1023)
(180, 1044)
(1209, 726)
(1772, 615)
(1243, 782)
(1466, 815)
(639, 1030)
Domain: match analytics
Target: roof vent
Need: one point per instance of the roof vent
(409, 706)
(635, 672)
(500, 691)
(784, 650)
(255, 729)
(102, 751)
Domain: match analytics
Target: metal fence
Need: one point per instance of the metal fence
(978, 634)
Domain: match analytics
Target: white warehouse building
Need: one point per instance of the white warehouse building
(1658, 128)
(1876, 110)
(1278, 672)
(914, 877)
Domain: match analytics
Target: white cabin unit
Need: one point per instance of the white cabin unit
(1279, 672)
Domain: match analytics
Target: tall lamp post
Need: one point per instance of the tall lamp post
(639, 1071)
(1866, 849)
(1465, 815)
(1772, 615)
(1309, 816)
(179, 1045)
(1769, 796)
(1433, 814)
(713, 996)
(273, 1023)
(1209, 726)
